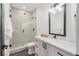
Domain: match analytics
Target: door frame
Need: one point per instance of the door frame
(2, 30)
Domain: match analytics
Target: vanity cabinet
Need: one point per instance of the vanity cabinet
(46, 49)
(50, 51)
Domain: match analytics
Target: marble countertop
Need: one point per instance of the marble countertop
(62, 44)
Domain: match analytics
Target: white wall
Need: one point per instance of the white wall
(42, 21)
(70, 23)
(42, 18)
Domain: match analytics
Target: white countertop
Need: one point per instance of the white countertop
(62, 44)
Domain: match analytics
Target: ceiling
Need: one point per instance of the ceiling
(28, 6)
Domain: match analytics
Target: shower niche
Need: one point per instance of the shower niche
(57, 20)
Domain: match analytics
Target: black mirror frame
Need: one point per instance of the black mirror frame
(64, 28)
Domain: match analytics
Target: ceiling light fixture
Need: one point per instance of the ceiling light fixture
(52, 10)
(58, 7)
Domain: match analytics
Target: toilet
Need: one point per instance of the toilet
(31, 48)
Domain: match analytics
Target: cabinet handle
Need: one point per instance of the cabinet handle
(59, 54)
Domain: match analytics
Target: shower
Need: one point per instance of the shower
(24, 27)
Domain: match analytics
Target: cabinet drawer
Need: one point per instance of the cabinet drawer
(50, 51)
(59, 52)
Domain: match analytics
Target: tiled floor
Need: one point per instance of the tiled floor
(22, 53)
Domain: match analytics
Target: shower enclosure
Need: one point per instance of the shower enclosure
(24, 27)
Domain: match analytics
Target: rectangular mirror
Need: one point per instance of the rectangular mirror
(57, 21)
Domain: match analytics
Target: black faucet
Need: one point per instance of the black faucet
(54, 36)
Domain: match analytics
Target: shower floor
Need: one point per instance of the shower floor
(22, 53)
